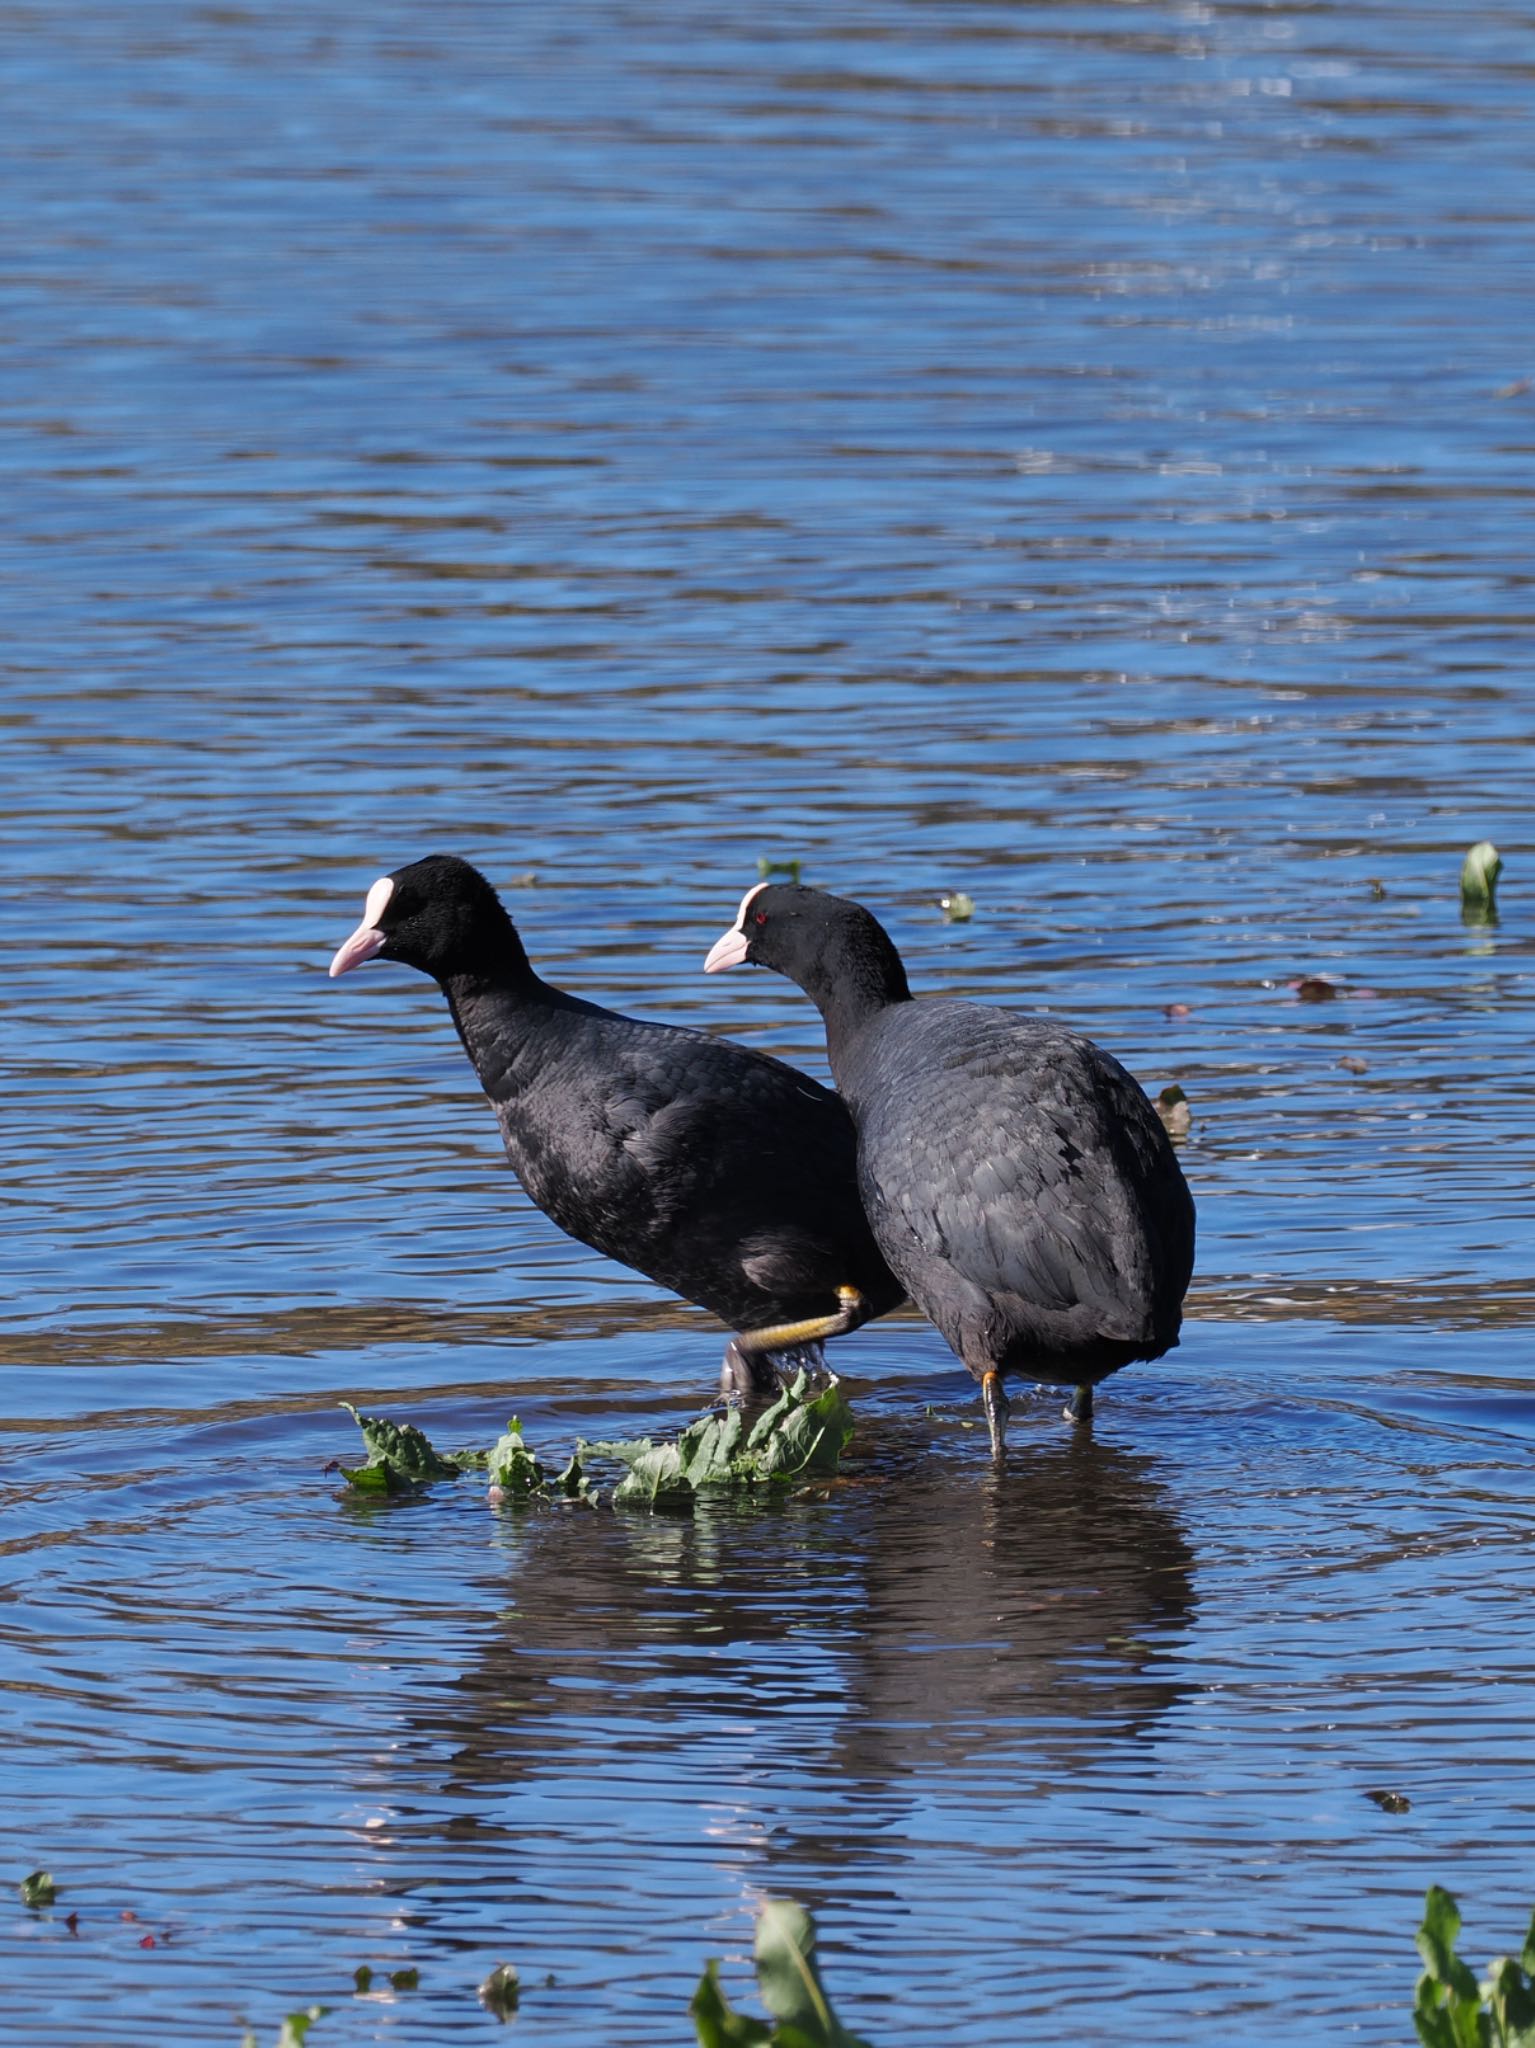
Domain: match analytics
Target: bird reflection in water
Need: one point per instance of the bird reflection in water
(814, 1666)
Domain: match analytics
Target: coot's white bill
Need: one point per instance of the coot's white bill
(367, 939)
(729, 950)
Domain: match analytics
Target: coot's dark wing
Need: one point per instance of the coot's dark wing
(720, 1172)
(1030, 1161)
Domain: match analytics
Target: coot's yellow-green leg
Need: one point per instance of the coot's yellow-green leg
(854, 1310)
(1080, 1407)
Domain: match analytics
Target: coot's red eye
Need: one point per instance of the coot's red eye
(760, 918)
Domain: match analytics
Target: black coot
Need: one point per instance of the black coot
(1019, 1183)
(720, 1173)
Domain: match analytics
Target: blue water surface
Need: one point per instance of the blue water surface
(1079, 455)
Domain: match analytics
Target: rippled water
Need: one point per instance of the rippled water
(1076, 454)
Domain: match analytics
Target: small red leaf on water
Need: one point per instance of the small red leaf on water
(148, 1941)
(1174, 1011)
(72, 1922)
(127, 1914)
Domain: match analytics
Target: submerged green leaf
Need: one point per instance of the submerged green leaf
(768, 868)
(39, 1889)
(376, 1479)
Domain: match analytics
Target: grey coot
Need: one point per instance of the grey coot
(1019, 1183)
(719, 1172)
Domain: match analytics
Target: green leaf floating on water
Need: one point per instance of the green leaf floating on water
(513, 1468)
(515, 1474)
(501, 1993)
(801, 1436)
(791, 1990)
(399, 1457)
(39, 1889)
(401, 1460)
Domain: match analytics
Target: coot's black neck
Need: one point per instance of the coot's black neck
(511, 1023)
(853, 982)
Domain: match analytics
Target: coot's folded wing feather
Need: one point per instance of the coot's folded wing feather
(1015, 1152)
(717, 1169)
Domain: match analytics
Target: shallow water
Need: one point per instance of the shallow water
(1076, 454)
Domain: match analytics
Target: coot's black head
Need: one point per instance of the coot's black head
(438, 914)
(838, 952)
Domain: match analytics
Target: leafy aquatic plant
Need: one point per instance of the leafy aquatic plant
(801, 1436)
(295, 2028)
(787, 1978)
(791, 1990)
(399, 1457)
(1172, 1106)
(501, 1993)
(1479, 882)
(1453, 2010)
(515, 1474)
